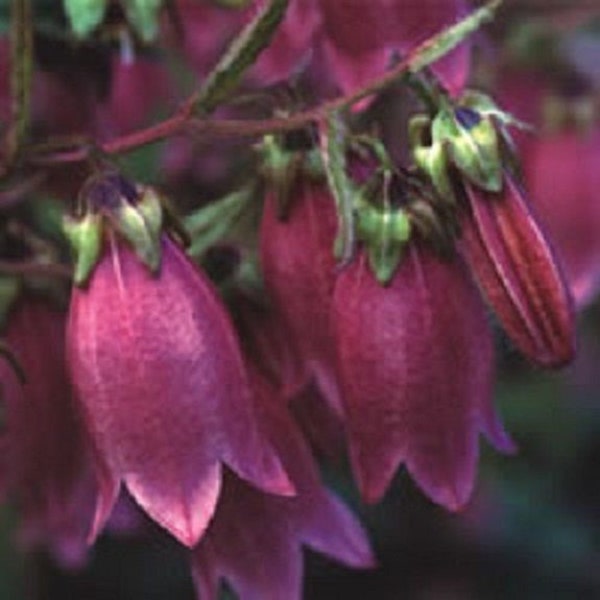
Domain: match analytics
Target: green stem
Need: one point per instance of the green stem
(418, 59)
(241, 55)
(21, 64)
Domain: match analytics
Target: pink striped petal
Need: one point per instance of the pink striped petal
(518, 274)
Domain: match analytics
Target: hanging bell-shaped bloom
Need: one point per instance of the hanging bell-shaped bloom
(360, 39)
(47, 466)
(159, 374)
(266, 337)
(502, 240)
(299, 270)
(255, 539)
(416, 369)
(138, 86)
(562, 171)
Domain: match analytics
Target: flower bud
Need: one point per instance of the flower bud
(518, 274)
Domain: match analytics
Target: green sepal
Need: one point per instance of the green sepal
(485, 106)
(141, 226)
(389, 231)
(385, 232)
(143, 15)
(232, 3)
(85, 15)
(431, 158)
(281, 168)
(85, 237)
(10, 288)
(472, 145)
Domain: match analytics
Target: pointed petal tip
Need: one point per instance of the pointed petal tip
(501, 440)
(284, 488)
(188, 535)
(372, 476)
(560, 357)
(185, 511)
(453, 498)
(372, 489)
(452, 491)
(107, 497)
(266, 472)
(282, 485)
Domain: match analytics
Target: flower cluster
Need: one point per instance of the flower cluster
(343, 297)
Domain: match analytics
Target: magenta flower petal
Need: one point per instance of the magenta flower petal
(299, 271)
(518, 274)
(206, 30)
(266, 337)
(322, 426)
(416, 362)
(292, 42)
(137, 88)
(255, 539)
(563, 174)
(362, 37)
(164, 389)
(48, 469)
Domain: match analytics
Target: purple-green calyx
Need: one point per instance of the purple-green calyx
(384, 229)
(470, 136)
(133, 212)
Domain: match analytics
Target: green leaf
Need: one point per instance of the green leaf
(333, 145)
(441, 44)
(212, 223)
(144, 17)
(85, 15)
(241, 54)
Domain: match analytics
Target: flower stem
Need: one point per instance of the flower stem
(21, 61)
(184, 118)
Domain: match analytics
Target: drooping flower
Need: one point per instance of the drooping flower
(562, 171)
(255, 539)
(205, 28)
(137, 86)
(561, 160)
(47, 467)
(359, 39)
(266, 337)
(299, 270)
(467, 157)
(160, 376)
(415, 360)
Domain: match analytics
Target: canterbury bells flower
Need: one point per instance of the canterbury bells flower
(156, 364)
